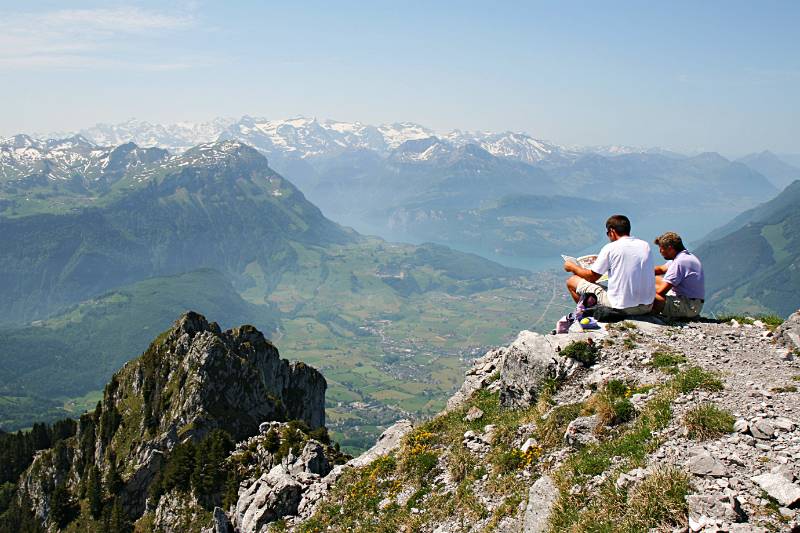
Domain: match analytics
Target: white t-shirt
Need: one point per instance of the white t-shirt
(631, 280)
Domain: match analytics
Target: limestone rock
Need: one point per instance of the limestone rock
(483, 370)
(780, 488)
(761, 429)
(580, 432)
(541, 498)
(276, 494)
(178, 512)
(473, 414)
(788, 333)
(529, 362)
(704, 464)
(220, 523)
(312, 460)
(717, 508)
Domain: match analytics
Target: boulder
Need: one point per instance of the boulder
(761, 429)
(274, 495)
(788, 333)
(528, 364)
(312, 460)
(473, 414)
(714, 508)
(481, 373)
(541, 498)
(778, 487)
(580, 432)
(387, 442)
(704, 464)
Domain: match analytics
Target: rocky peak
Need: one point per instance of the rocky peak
(193, 380)
(638, 426)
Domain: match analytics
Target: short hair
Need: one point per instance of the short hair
(619, 223)
(670, 239)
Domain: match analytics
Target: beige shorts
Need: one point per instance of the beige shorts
(585, 287)
(682, 307)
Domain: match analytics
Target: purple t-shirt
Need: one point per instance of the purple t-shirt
(685, 274)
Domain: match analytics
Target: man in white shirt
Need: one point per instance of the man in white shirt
(627, 261)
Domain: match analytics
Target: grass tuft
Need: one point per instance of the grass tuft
(696, 378)
(707, 421)
(667, 360)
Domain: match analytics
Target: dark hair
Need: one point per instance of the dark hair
(619, 223)
(670, 239)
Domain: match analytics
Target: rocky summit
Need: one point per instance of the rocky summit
(637, 426)
(171, 415)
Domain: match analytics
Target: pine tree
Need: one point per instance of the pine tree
(60, 506)
(272, 441)
(113, 479)
(118, 522)
(94, 493)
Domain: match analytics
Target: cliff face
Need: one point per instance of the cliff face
(193, 380)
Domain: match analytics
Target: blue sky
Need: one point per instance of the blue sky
(721, 76)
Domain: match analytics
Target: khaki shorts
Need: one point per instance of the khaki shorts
(682, 307)
(604, 306)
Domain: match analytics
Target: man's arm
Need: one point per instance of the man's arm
(585, 273)
(661, 269)
(662, 287)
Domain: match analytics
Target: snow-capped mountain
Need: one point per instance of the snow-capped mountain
(173, 137)
(510, 145)
(301, 138)
(26, 161)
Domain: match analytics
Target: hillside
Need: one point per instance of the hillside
(663, 432)
(751, 264)
(204, 209)
(375, 313)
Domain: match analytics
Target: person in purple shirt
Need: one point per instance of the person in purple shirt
(680, 284)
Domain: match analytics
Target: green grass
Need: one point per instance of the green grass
(667, 360)
(658, 501)
(697, 378)
(353, 503)
(708, 421)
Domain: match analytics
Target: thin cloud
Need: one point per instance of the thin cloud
(82, 38)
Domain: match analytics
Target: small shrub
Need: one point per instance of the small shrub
(708, 421)
(611, 404)
(419, 457)
(771, 321)
(617, 388)
(696, 378)
(785, 388)
(581, 351)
